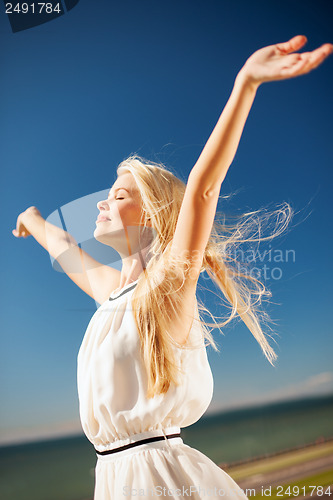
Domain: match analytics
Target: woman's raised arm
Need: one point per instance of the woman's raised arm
(197, 213)
(275, 62)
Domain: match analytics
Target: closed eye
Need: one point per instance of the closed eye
(119, 198)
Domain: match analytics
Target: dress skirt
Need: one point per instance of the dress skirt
(162, 469)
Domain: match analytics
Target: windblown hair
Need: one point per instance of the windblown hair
(158, 297)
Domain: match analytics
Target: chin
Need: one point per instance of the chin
(100, 236)
(110, 237)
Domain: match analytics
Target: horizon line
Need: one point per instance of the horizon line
(61, 435)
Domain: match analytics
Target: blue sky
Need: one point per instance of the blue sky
(82, 92)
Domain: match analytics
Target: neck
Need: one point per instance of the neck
(133, 266)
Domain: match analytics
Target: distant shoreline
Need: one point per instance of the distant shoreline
(319, 441)
(203, 421)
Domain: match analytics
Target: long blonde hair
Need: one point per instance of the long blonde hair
(158, 297)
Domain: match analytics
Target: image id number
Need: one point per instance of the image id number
(32, 8)
(295, 491)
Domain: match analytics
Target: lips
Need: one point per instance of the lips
(102, 218)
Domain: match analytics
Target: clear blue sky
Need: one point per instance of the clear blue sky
(107, 79)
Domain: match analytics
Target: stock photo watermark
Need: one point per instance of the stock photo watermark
(27, 15)
(264, 265)
(89, 244)
(215, 492)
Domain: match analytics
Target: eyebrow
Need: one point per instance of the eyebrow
(117, 189)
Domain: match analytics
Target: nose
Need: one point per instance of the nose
(102, 205)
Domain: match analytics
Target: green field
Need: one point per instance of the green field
(283, 461)
(311, 485)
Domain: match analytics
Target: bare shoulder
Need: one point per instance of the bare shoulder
(94, 278)
(111, 279)
(103, 280)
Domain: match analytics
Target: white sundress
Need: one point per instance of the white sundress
(114, 412)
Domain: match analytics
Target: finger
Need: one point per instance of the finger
(322, 51)
(307, 61)
(14, 232)
(316, 57)
(293, 44)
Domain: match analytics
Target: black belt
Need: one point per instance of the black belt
(137, 443)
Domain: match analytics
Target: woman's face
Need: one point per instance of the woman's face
(118, 222)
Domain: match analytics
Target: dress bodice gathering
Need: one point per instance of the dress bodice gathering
(112, 379)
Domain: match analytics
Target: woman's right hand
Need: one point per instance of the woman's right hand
(21, 229)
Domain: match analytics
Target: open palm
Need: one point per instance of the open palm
(278, 62)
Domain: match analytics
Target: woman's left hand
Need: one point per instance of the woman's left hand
(278, 62)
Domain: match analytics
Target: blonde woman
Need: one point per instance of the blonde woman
(143, 372)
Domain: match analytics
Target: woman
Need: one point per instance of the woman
(143, 372)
